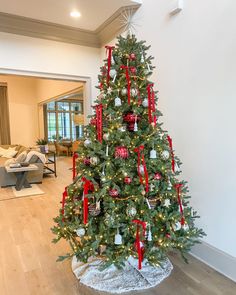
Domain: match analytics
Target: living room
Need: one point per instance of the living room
(117, 193)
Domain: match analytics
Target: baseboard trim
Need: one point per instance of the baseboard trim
(216, 259)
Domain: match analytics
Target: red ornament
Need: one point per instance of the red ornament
(113, 192)
(157, 176)
(133, 70)
(127, 180)
(130, 118)
(132, 56)
(93, 121)
(168, 235)
(86, 161)
(121, 152)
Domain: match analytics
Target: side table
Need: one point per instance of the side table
(21, 175)
(51, 160)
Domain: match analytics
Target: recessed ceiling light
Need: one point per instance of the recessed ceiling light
(75, 13)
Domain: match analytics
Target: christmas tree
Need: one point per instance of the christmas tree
(127, 199)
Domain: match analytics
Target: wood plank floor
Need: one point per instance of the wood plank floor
(28, 258)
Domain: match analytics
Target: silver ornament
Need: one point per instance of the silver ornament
(153, 154)
(141, 169)
(80, 232)
(112, 73)
(112, 60)
(131, 211)
(167, 203)
(94, 160)
(165, 155)
(123, 91)
(106, 136)
(117, 102)
(134, 92)
(177, 226)
(87, 142)
(145, 103)
(118, 238)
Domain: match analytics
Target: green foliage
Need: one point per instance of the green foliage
(161, 219)
(41, 141)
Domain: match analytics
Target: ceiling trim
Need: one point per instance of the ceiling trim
(25, 26)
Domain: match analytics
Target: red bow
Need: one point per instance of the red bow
(139, 151)
(99, 122)
(128, 80)
(88, 186)
(151, 104)
(138, 242)
(75, 156)
(109, 50)
(172, 153)
(178, 187)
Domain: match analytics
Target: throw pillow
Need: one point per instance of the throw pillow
(2, 151)
(21, 157)
(9, 153)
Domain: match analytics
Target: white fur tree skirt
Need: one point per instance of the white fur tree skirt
(115, 280)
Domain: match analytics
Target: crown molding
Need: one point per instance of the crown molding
(25, 26)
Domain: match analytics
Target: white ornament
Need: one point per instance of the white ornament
(161, 135)
(118, 238)
(167, 203)
(145, 103)
(142, 59)
(152, 186)
(123, 91)
(134, 92)
(146, 72)
(149, 206)
(122, 128)
(94, 160)
(153, 154)
(149, 238)
(131, 211)
(135, 125)
(141, 169)
(87, 142)
(106, 136)
(112, 73)
(109, 90)
(80, 232)
(107, 151)
(117, 102)
(177, 226)
(165, 155)
(185, 227)
(169, 188)
(112, 60)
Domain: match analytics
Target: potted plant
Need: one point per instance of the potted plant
(43, 145)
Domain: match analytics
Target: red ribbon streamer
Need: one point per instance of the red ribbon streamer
(151, 104)
(87, 186)
(75, 156)
(141, 159)
(172, 153)
(63, 201)
(99, 122)
(137, 242)
(178, 187)
(128, 80)
(109, 50)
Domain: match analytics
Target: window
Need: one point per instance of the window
(64, 120)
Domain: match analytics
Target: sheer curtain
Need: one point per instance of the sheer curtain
(4, 117)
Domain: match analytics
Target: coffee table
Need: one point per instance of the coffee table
(21, 175)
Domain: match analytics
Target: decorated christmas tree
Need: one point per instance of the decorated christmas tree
(127, 198)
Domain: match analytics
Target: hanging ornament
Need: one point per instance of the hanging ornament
(109, 220)
(133, 70)
(176, 169)
(145, 103)
(135, 125)
(131, 211)
(149, 237)
(132, 56)
(93, 121)
(127, 180)
(118, 238)
(117, 102)
(113, 192)
(130, 119)
(152, 203)
(169, 188)
(80, 232)
(86, 161)
(94, 209)
(112, 60)
(165, 155)
(121, 152)
(107, 151)
(185, 227)
(153, 154)
(141, 169)
(157, 176)
(87, 142)
(134, 92)
(123, 91)
(94, 160)
(177, 226)
(151, 186)
(142, 59)
(106, 136)
(167, 203)
(122, 128)
(168, 236)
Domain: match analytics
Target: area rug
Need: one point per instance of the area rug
(27, 192)
(118, 281)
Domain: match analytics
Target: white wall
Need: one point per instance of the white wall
(38, 55)
(196, 76)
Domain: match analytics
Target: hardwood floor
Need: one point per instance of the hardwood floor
(28, 258)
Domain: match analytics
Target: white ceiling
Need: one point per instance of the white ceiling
(93, 12)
